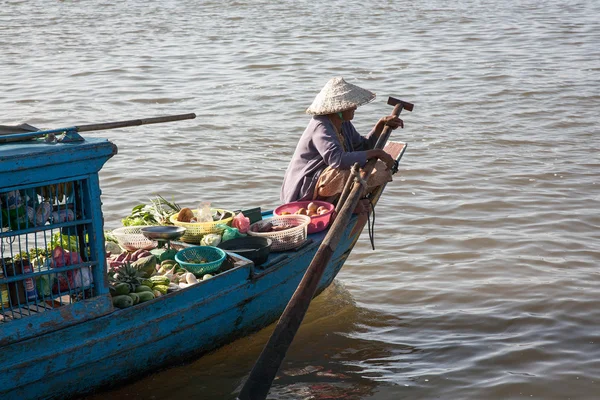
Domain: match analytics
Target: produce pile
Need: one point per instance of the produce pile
(137, 277)
(311, 210)
(142, 275)
(226, 224)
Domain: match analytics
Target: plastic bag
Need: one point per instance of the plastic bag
(241, 222)
(229, 232)
(40, 215)
(82, 278)
(73, 279)
(204, 214)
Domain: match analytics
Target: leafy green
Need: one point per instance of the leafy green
(67, 242)
(156, 213)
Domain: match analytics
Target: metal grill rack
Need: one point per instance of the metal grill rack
(45, 254)
(52, 264)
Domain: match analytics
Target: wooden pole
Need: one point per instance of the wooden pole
(345, 192)
(134, 122)
(261, 377)
(12, 137)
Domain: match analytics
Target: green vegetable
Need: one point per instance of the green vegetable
(145, 296)
(159, 280)
(109, 237)
(67, 242)
(38, 254)
(135, 297)
(21, 256)
(166, 263)
(143, 288)
(122, 288)
(147, 282)
(156, 213)
(122, 301)
(178, 269)
(161, 288)
(146, 265)
(135, 222)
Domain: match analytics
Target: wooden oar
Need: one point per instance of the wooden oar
(261, 377)
(10, 137)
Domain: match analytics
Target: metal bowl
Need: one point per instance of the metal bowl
(163, 232)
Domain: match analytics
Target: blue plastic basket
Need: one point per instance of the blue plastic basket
(213, 255)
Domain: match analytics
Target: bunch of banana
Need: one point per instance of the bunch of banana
(56, 192)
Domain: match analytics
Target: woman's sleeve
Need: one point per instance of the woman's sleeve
(360, 142)
(329, 147)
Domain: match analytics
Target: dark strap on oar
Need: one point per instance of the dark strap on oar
(261, 377)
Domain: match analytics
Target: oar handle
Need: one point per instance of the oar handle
(387, 130)
(134, 122)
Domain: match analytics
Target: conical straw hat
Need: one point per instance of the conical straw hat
(338, 95)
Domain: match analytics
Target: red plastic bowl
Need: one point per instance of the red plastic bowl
(318, 223)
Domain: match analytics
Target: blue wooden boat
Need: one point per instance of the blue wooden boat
(58, 344)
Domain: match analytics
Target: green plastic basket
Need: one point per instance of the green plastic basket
(213, 255)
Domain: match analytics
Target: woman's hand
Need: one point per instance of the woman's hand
(391, 121)
(383, 156)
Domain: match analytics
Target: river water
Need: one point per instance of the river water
(484, 281)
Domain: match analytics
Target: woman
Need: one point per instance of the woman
(330, 146)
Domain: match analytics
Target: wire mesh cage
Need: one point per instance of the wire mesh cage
(47, 257)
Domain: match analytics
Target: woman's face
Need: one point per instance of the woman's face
(349, 114)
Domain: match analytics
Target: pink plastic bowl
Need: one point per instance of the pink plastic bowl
(318, 223)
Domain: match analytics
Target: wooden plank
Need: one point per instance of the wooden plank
(394, 149)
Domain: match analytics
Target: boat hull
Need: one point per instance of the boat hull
(133, 342)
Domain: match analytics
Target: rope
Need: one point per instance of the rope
(371, 226)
